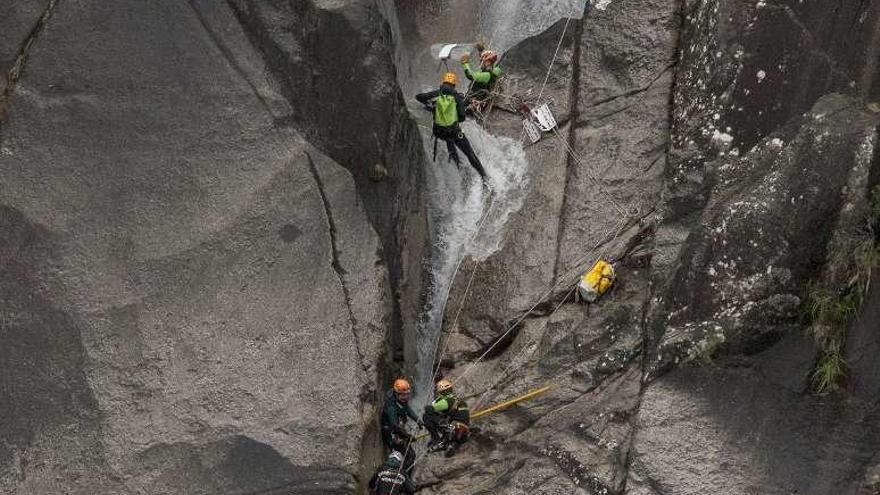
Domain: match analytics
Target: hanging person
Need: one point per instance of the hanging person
(483, 79)
(449, 110)
(447, 419)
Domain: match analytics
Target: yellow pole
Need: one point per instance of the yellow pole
(498, 407)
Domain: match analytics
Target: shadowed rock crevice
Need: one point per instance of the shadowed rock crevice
(11, 79)
(336, 68)
(335, 258)
(231, 57)
(574, 115)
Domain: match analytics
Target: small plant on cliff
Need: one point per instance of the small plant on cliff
(831, 369)
(830, 312)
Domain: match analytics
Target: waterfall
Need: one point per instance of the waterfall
(459, 205)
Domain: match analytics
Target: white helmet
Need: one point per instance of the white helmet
(395, 458)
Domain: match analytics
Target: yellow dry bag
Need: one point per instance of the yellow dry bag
(596, 281)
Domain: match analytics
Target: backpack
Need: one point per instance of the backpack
(445, 111)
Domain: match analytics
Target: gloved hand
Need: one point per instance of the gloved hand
(465, 58)
(421, 424)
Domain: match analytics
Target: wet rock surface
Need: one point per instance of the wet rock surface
(669, 105)
(764, 234)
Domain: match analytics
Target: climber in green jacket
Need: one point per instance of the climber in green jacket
(449, 109)
(447, 419)
(483, 79)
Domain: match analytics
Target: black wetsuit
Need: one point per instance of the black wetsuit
(452, 134)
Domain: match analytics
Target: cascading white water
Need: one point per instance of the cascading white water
(508, 22)
(467, 221)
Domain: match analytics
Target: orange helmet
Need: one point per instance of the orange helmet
(488, 57)
(450, 78)
(443, 385)
(401, 386)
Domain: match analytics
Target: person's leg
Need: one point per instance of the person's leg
(433, 424)
(462, 142)
(459, 436)
(453, 155)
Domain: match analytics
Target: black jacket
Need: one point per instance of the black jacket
(394, 416)
(390, 479)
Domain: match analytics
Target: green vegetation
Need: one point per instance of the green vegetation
(704, 350)
(830, 371)
(830, 311)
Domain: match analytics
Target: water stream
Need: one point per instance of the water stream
(459, 205)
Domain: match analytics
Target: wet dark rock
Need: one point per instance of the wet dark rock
(764, 234)
(614, 361)
(289, 232)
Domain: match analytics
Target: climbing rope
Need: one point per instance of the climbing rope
(516, 358)
(621, 223)
(522, 134)
(455, 320)
(440, 333)
(570, 151)
(555, 54)
(436, 366)
(605, 242)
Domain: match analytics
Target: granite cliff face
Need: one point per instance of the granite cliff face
(218, 246)
(201, 287)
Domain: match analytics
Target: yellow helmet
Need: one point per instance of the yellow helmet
(450, 78)
(443, 385)
(401, 386)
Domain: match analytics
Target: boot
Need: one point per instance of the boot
(452, 449)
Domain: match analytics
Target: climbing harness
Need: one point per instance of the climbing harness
(500, 406)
